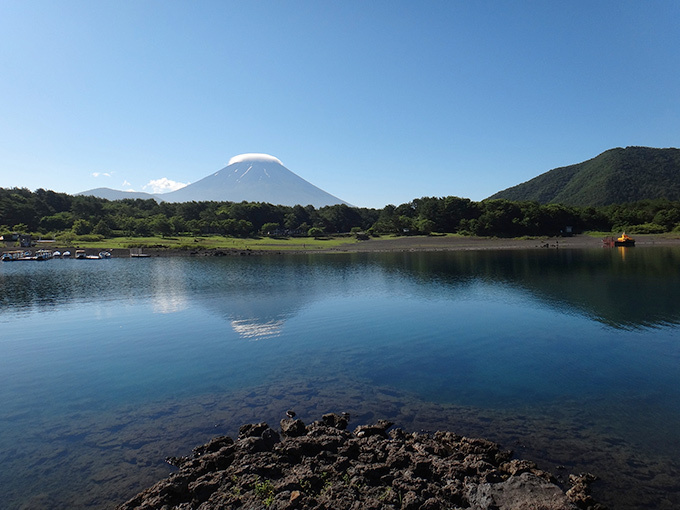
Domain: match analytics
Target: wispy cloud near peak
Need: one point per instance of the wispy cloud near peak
(164, 185)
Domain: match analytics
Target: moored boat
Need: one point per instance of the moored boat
(624, 240)
(11, 256)
(80, 254)
(137, 253)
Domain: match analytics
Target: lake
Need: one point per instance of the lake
(571, 358)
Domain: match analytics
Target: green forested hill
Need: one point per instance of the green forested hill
(614, 177)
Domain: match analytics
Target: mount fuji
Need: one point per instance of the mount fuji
(247, 177)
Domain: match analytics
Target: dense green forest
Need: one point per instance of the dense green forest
(616, 176)
(66, 217)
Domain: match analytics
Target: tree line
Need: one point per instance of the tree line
(48, 213)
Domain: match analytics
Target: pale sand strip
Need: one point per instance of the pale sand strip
(435, 243)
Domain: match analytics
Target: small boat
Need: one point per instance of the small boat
(56, 254)
(624, 240)
(80, 254)
(11, 256)
(137, 253)
(66, 254)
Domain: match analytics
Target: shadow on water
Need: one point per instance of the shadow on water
(622, 288)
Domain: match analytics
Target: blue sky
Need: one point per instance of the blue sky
(375, 102)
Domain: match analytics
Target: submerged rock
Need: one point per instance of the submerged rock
(323, 465)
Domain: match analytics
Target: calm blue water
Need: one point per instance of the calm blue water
(571, 358)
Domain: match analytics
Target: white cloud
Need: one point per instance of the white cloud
(103, 174)
(126, 183)
(164, 185)
(254, 157)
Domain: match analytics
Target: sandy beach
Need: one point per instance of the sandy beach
(435, 243)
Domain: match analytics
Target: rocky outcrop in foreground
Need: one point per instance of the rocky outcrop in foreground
(324, 466)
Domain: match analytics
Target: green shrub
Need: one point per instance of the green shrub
(89, 238)
(315, 232)
(66, 237)
(81, 227)
(646, 228)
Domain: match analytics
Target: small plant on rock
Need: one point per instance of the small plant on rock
(265, 491)
(386, 494)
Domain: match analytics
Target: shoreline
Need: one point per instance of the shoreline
(421, 244)
(395, 245)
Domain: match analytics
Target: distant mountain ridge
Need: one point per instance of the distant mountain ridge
(114, 194)
(616, 176)
(247, 177)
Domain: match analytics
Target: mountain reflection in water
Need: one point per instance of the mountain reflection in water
(622, 288)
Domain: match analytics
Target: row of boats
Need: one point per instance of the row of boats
(21, 255)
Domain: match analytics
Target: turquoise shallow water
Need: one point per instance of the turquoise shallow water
(571, 358)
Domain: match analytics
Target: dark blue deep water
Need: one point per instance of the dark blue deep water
(569, 357)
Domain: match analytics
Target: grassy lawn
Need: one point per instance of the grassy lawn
(207, 242)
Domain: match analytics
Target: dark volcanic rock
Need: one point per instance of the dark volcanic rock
(292, 428)
(326, 467)
(379, 429)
